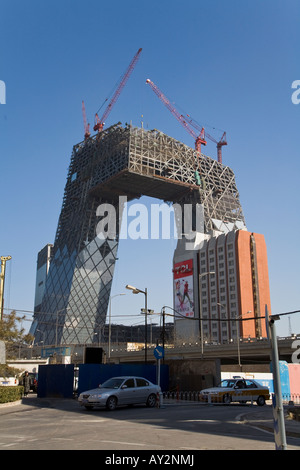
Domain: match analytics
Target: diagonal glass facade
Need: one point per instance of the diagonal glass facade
(77, 287)
(74, 306)
(114, 165)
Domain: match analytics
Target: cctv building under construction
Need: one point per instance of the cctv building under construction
(75, 275)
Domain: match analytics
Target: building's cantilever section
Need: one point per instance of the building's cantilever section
(128, 162)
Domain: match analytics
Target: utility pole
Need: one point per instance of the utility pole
(278, 413)
(2, 279)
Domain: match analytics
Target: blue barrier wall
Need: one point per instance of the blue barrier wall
(284, 377)
(91, 375)
(56, 381)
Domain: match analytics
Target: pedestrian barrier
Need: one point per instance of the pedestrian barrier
(195, 396)
(177, 395)
(288, 398)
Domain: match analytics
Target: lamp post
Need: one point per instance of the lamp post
(238, 337)
(200, 305)
(2, 278)
(109, 325)
(236, 318)
(135, 290)
(224, 318)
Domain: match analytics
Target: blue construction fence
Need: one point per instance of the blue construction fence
(56, 381)
(62, 380)
(91, 375)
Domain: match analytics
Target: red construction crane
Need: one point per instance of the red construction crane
(188, 123)
(219, 143)
(99, 122)
(86, 126)
(199, 139)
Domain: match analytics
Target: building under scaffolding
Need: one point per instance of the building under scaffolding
(120, 161)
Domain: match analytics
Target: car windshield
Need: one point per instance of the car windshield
(112, 383)
(227, 383)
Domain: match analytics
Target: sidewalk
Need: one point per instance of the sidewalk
(264, 420)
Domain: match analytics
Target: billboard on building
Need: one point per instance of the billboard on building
(184, 289)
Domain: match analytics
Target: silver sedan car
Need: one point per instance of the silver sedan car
(119, 391)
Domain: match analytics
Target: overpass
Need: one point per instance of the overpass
(251, 352)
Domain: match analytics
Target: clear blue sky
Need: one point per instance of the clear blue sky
(229, 64)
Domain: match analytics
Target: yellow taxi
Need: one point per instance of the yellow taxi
(236, 389)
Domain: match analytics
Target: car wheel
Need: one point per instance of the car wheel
(261, 400)
(111, 403)
(151, 401)
(226, 399)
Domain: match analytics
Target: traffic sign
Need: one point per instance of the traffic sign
(159, 352)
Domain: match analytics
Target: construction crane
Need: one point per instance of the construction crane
(189, 124)
(2, 279)
(99, 122)
(219, 143)
(86, 125)
(199, 139)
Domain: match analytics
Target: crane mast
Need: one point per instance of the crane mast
(219, 143)
(86, 125)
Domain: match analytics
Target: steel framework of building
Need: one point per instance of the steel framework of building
(120, 161)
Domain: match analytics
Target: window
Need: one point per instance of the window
(250, 384)
(129, 383)
(141, 383)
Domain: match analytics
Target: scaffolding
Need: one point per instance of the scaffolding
(133, 162)
(121, 161)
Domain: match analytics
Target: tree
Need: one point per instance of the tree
(13, 334)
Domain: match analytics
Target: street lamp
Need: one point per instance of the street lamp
(135, 290)
(236, 318)
(238, 337)
(200, 305)
(109, 325)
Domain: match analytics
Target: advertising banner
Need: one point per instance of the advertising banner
(184, 289)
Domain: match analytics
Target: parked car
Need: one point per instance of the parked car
(8, 381)
(119, 391)
(238, 389)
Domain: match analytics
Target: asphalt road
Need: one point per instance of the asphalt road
(41, 424)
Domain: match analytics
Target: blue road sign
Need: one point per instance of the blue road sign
(159, 352)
